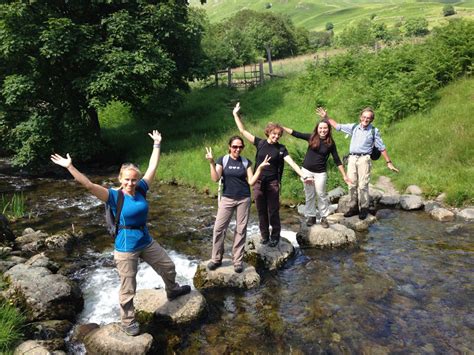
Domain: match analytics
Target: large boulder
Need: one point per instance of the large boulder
(6, 235)
(263, 256)
(43, 294)
(49, 329)
(31, 347)
(353, 222)
(442, 215)
(413, 190)
(390, 200)
(411, 202)
(467, 214)
(335, 194)
(225, 276)
(154, 305)
(316, 236)
(110, 339)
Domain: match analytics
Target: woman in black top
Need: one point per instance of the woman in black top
(320, 145)
(236, 173)
(267, 188)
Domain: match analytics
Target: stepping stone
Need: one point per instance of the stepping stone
(267, 257)
(353, 222)
(153, 305)
(335, 236)
(110, 339)
(225, 276)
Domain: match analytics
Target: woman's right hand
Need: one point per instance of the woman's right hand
(322, 112)
(236, 109)
(61, 161)
(265, 162)
(209, 154)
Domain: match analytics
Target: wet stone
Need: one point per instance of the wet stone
(31, 347)
(335, 194)
(467, 213)
(411, 202)
(442, 215)
(225, 276)
(413, 190)
(431, 205)
(335, 236)
(267, 257)
(390, 200)
(153, 305)
(353, 222)
(111, 340)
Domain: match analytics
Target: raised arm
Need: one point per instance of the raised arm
(98, 191)
(251, 177)
(321, 112)
(288, 130)
(295, 166)
(249, 136)
(216, 170)
(155, 157)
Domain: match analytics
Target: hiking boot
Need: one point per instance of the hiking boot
(238, 268)
(351, 212)
(310, 221)
(180, 291)
(364, 212)
(324, 222)
(264, 241)
(213, 265)
(273, 242)
(132, 329)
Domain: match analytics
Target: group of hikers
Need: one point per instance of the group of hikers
(132, 238)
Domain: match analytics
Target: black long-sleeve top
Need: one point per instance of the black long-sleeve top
(315, 160)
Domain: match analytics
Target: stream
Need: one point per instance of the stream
(407, 287)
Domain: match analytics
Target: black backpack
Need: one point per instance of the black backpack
(111, 222)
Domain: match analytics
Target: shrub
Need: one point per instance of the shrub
(448, 10)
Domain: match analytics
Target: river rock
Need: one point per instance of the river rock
(335, 194)
(5, 252)
(353, 222)
(343, 205)
(413, 190)
(111, 340)
(6, 235)
(153, 304)
(335, 236)
(430, 206)
(467, 213)
(263, 256)
(49, 329)
(62, 240)
(441, 197)
(390, 200)
(385, 184)
(225, 276)
(44, 295)
(442, 215)
(29, 236)
(411, 202)
(31, 347)
(375, 195)
(81, 330)
(41, 259)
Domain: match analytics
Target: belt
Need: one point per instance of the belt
(359, 154)
(132, 227)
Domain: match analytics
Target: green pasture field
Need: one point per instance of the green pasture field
(314, 14)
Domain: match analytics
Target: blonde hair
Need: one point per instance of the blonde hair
(129, 166)
(271, 127)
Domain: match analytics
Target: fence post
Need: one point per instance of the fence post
(229, 77)
(260, 70)
(217, 78)
(269, 56)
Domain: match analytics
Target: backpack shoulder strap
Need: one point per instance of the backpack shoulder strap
(225, 160)
(353, 128)
(373, 136)
(245, 162)
(120, 199)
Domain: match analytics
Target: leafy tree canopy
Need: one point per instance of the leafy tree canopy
(60, 61)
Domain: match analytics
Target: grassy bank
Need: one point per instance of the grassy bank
(432, 149)
(11, 322)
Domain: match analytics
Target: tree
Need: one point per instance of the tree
(62, 61)
(416, 26)
(448, 10)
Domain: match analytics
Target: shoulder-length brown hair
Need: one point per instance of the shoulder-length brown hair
(315, 141)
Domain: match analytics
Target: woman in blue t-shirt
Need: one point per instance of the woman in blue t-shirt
(236, 173)
(132, 240)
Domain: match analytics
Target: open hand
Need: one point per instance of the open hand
(236, 109)
(61, 161)
(392, 167)
(322, 112)
(156, 136)
(347, 180)
(209, 154)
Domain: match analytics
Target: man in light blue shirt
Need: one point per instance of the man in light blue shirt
(359, 166)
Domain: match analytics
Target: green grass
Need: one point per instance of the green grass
(432, 149)
(13, 207)
(314, 14)
(11, 323)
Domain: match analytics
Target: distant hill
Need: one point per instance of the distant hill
(314, 14)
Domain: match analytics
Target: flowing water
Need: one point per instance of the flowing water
(407, 288)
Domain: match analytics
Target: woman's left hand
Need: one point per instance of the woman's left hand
(156, 136)
(265, 162)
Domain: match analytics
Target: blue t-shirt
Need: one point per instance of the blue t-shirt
(134, 213)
